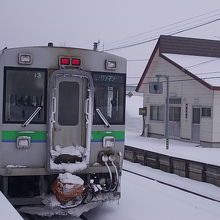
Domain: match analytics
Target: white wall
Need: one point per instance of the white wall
(216, 116)
(182, 86)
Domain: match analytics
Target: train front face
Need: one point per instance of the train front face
(63, 122)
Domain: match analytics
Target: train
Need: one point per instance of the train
(62, 128)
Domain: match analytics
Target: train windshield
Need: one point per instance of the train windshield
(24, 92)
(109, 97)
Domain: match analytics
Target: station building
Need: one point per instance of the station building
(190, 69)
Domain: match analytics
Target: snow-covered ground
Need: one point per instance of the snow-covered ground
(147, 199)
(7, 211)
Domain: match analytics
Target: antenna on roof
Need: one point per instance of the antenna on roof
(50, 44)
(95, 45)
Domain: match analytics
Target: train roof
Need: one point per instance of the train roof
(51, 46)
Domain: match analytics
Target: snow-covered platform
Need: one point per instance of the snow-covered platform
(182, 158)
(7, 210)
(179, 149)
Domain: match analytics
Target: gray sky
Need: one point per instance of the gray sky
(80, 23)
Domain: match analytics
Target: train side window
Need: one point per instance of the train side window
(109, 97)
(24, 91)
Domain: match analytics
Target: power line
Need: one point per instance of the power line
(165, 26)
(189, 67)
(179, 80)
(156, 38)
(165, 32)
(159, 72)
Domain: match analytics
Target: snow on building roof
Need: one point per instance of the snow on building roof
(199, 58)
(205, 68)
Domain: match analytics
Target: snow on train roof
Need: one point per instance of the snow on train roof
(206, 68)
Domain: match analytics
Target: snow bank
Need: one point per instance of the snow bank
(70, 150)
(69, 167)
(78, 151)
(69, 178)
(7, 211)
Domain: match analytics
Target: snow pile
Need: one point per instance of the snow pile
(15, 166)
(69, 178)
(69, 167)
(78, 151)
(8, 212)
(70, 150)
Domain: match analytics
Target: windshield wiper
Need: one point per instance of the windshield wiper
(103, 118)
(31, 117)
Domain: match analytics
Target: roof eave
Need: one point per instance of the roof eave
(147, 67)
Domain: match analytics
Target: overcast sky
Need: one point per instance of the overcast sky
(79, 23)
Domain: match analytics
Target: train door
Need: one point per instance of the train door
(70, 111)
(196, 115)
(174, 121)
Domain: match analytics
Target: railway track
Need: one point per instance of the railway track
(173, 186)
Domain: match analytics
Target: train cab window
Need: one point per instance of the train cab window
(68, 103)
(24, 92)
(109, 97)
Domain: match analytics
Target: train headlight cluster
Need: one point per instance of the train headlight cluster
(110, 65)
(23, 142)
(108, 141)
(24, 58)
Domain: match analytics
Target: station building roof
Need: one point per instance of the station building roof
(198, 58)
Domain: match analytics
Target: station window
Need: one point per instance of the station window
(174, 113)
(109, 97)
(157, 113)
(206, 112)
(24, 92)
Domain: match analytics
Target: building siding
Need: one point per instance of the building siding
(182, 86)
(216, 116)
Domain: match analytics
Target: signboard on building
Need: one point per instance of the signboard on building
(156, 87)
(143, 111)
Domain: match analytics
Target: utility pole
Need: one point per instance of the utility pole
(167, 108)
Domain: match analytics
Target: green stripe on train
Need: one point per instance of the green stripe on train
(42, 135)
(98, 135)
(35, 135)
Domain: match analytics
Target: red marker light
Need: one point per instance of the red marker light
(76, 62)
(65, 61)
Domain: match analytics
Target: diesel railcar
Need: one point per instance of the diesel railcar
(62, 128)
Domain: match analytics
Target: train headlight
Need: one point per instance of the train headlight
(110, 65)
(108, 141)
(24, 58)
(23, 142)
